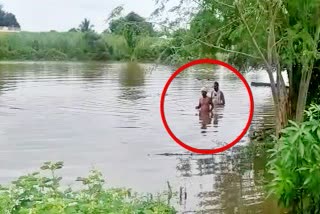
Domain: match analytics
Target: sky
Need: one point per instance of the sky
(62, 15)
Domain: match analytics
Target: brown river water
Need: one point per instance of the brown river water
(107, 116)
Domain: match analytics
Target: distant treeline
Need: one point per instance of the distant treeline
(127, 38)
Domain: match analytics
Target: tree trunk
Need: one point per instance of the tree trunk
(302, 96)
(305, 79)
(278, 108)
(279, 90)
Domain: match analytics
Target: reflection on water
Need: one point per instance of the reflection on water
(132, 77)
(210, 119)
(225, 183)
(107, 116)
(217, 115)
(205, 119)
(5, 84)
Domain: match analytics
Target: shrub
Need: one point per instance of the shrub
(295, 166)
(35, 194)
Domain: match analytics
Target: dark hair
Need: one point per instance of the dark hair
(216, 83)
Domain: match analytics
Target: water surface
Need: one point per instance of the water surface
(107, 116)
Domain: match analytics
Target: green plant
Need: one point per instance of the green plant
(35, 194)
(295, 167)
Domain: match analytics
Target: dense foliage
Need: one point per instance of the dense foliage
(295, 167)
(132, 27)
(276, 35)
(35, 193)
(76, 46)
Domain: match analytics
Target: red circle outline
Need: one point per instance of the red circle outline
(164, 121)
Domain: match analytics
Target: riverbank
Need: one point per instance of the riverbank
(78, 46)
(38, 193)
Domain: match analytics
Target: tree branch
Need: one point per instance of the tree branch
(219, 2)
(227, 50)
(254, 40)
(254, 31)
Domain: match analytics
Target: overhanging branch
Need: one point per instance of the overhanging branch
(253, 39)
(227, 50)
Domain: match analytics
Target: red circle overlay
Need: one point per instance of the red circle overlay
(177, 140)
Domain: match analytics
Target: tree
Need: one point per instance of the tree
(86, 26)
(8, 19)
(131, 27)
(277, 35)
(133, 22)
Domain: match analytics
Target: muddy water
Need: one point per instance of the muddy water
(107, 116)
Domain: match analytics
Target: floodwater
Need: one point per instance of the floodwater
(107, 116)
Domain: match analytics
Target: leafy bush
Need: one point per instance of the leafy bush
(295, 166)
(54, 54)
(35, 194)
(117, 45)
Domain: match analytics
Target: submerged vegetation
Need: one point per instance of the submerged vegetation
(36, 193)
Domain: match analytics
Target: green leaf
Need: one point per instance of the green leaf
(294, 138)
(289, 130)
(301, 149)
(294, 124)
(302, 169)
(307, 181)
(314, 127)
(309, 137)
(315, 146)
(318, 133)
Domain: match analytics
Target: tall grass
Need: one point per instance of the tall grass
(62, 46)
(77, 46)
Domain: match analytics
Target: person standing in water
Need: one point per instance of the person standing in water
(205, 102)
(217, 96)
(205, 108)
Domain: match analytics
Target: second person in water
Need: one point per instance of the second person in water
(217, 96)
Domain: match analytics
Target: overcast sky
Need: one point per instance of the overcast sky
(62, 15)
